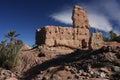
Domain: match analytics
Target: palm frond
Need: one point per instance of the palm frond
(16, 35)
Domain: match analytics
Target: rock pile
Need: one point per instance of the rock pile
(7, 75)
(101, 64)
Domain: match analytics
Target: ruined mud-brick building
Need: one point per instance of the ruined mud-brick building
(77, 36)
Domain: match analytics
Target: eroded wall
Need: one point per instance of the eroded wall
(63, 36)
(96, 40)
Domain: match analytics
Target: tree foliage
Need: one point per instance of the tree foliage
(12, 35)
(113, 37)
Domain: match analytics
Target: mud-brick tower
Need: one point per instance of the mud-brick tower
(81, 26)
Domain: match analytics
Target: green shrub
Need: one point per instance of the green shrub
(9, 53)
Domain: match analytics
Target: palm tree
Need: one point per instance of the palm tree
(12, 35)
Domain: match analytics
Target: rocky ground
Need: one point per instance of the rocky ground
(45, 63)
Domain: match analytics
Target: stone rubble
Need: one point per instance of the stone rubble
(7, 75)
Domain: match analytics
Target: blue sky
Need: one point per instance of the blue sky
(25, 16)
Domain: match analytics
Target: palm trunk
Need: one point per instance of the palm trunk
(12, 40)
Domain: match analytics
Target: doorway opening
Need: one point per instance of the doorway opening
(84, 44)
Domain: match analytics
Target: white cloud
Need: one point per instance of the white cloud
(96, 20)
(117, 32)
(63, 16)
(100, 22)
(99, 14)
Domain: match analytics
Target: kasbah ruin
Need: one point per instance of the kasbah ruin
(77, 36)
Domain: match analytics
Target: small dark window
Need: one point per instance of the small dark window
(50, 32)
(78, 8)
(86, 26)
(82, 27)
(55, 31)
(86, 21)
(83, 15)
